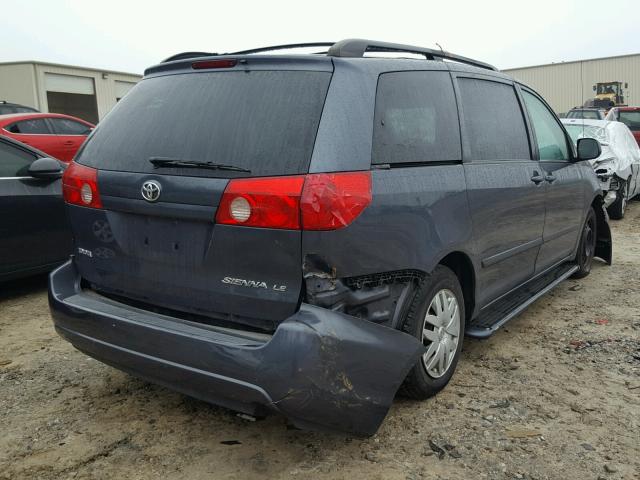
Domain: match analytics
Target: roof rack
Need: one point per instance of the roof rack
(185, 55)
(290, 46)
(353, 47)
(357, 47)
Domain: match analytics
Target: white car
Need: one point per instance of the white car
(618, 167)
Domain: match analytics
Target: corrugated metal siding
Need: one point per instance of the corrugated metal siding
(566, 85)
(17, 84)
(106, 92)
(24, 83)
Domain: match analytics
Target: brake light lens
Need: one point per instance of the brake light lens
(324, 201)
(228, 63)
(80, 186)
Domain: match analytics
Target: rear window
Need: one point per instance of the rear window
(630, 118)
(264, 121)
(416, 119)
(585, 114)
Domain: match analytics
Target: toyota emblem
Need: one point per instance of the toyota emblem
(151, 190)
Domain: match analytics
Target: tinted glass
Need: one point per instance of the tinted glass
(495, 127)
(265, 121)
(63, 126)
(30, 127)
(416, 118)
(630, 118)
(552, 143)
(13, 161)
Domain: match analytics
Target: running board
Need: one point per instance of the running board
(491, 318)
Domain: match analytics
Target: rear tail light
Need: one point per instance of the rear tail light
(80, 186)
(334, 200)
(323, 201)
(271, 202)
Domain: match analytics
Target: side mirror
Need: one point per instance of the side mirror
(588, 149)
(594, 88)
(46, 168)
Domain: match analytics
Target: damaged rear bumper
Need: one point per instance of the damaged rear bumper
(321, 369)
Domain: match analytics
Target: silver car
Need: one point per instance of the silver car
(618, 166)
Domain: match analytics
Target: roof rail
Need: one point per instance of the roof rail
(185, 55)
(283, 47)
(353, 47)
(357, 47)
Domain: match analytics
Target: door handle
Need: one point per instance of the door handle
(68, 142)
(550, 177)
(537, 178)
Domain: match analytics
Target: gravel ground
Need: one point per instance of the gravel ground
(554, 394)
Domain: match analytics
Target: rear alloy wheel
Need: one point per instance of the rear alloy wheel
(440, 333)
(587, 246)
(436, 317)
(616, 209)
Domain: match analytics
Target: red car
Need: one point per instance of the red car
(59, 136)
(630, 116)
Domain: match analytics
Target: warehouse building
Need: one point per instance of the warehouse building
(82, 92)
(569, 84)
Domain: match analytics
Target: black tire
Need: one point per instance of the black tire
(587, 245)
(617, 209)
(419, 384)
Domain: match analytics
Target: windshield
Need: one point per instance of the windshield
(630, 118)
(262, 121)
(607, 88)
(586, 131)
(586, 114)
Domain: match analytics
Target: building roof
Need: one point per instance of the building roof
(556, 64)
(60, 65)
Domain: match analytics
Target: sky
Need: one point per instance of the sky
(132, 35)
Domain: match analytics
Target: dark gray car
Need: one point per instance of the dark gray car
(35, 235)
(307, 234)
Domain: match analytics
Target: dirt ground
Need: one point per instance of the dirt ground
(553, 395)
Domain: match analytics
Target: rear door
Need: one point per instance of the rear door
(34, 231)
(505, 187)
(70, 135)
(565, 186)
(169, 252)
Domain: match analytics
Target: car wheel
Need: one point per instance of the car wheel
(587, 246)
(436, 317)
(616, 209)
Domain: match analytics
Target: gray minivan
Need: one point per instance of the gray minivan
(308, 234)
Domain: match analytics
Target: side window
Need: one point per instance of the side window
(416, 119)
(493, 119)
(552, 142)
(63, 126)
(36, 126)
(13, 161)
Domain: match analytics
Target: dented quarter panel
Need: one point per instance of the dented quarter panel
(417, 216)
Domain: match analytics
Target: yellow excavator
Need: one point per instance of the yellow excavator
(608, 94)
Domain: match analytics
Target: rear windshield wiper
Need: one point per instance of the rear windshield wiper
(160, 162)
